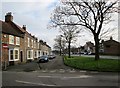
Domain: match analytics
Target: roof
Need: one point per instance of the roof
(24, 31)
(111, 41)
(7, 28)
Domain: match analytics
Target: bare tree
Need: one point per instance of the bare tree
(59, 44)
(90, 14)
(69, 33)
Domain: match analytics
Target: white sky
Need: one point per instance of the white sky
(35, 14)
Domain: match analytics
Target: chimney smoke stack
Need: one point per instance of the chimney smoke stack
(8, 17)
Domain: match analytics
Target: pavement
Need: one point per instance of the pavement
(30, 66)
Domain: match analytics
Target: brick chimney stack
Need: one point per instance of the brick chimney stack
(111, 38)
(8, 17)
(24, 27)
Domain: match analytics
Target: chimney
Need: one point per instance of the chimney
(8, 17)
(111, 38)
(102, 41)
(24, 27)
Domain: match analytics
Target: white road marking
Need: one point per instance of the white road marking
(61, 70)
(34, 71)
(44, 70)
(49, 76)
(60, 77)
(83, 71)
(45, 76)
(25, 82)
(52, 71)
(77, 77)
(72, 71)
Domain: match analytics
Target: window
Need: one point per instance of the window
(35, 54)
(16, 54)
(11, 55)
(38, 45)
(39, 53)
(17, 41)
(29, 54)
(32, 43)
(11, 39)
(43, 53)
(28, 42)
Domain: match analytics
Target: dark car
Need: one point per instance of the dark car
(51, 56)
(43, 59)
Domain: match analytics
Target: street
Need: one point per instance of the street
(55, 74)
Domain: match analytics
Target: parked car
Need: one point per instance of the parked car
(43, 59)
(85, 53)
(51, 56)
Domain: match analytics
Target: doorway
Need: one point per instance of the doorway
(21, 56)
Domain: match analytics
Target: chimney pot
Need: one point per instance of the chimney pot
(111, 38)
(8, 17)
(24, 27)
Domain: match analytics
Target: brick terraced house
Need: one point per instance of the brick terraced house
(19, 46)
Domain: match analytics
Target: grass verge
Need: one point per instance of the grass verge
(88, 63)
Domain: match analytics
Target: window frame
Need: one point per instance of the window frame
(17, 41)
(28, 42)
(14, 59)
(11, 39)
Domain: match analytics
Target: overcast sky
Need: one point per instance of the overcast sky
(35, 14)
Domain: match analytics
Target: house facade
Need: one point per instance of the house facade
(45, 49)
(110, 47)
(89, 48)
(12, 39)
(19, 46)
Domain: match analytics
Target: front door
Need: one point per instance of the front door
(21, 56)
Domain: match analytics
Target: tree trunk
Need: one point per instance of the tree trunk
(96, 47)
(69, 49)
(60, 52)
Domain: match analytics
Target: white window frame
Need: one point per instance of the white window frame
(17, 41)
(31, 54)
(38, 45)
(11, 37)
(13, 54)
(35, 54)
(32, 43)
(28, 42)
